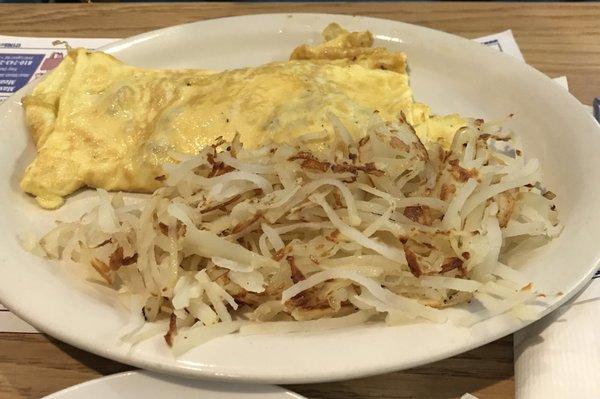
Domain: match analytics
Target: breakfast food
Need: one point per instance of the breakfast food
(99, 123)
(328, 228)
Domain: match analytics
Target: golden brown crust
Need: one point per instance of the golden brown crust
(354, 47)
(413, 262)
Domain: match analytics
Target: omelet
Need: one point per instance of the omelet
(439, 128)
(97, 122)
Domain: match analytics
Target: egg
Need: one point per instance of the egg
(97, 122)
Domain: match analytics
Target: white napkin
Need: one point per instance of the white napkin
(559, 356)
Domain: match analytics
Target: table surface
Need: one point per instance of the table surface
(558, 39)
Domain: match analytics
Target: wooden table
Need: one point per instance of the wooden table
(558, 39)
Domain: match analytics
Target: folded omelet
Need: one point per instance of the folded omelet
(97, 122)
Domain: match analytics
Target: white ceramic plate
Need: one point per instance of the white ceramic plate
(141, 384)
(450, 73)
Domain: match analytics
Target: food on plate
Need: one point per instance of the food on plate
(97, 122)
(328, 228)
(297, 238)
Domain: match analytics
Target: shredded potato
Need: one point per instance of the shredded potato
(283, 238)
